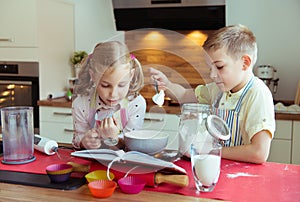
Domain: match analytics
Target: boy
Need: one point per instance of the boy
(236, 95)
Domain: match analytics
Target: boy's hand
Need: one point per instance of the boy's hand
(161, 78)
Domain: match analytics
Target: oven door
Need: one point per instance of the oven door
(15, 93)
(19, 86)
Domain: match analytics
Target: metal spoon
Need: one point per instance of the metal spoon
(155, 85)
(159, 97)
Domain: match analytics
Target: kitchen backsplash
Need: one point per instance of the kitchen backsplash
(178, 55)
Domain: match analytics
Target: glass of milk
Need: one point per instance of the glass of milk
(206, 165)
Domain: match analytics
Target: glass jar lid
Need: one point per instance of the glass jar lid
(217, 127)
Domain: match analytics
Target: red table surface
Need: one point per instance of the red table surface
(238, 181)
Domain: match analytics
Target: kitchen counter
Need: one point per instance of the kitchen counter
(285, 116)
(19, 192)
(59, 102)
(12, 192)
(169, 107)
(254, 182)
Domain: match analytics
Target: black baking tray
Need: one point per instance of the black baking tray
(39, 180)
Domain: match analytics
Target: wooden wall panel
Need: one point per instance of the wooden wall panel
(180, 58)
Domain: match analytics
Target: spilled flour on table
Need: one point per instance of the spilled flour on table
(235, 175)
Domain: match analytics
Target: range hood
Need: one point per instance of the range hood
(169, 14)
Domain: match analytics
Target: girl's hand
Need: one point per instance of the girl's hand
(161, 78)
(91, 140)
(108, 129)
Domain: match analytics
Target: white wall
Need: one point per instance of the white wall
(274, 22)
(94, 22)
(276, 26)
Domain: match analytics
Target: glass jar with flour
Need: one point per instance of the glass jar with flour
(198, 126)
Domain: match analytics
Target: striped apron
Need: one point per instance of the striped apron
(232, 117)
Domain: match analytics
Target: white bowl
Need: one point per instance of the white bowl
(146, 141)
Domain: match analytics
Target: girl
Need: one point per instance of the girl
(106, 99)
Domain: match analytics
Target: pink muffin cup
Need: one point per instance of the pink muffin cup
(131, 184)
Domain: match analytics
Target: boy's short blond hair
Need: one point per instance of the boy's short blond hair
(237, 40)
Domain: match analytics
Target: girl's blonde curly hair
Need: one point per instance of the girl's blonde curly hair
(104, 56)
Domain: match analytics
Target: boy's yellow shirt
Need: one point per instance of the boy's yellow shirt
(257, 110)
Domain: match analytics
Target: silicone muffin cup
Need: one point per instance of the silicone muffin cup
(131, 184)
(102, 188)
(98, 175)
(57, 169)
(59, 178)
(59, 172)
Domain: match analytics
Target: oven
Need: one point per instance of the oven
(19, 86)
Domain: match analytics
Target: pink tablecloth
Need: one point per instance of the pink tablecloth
(247, 182)
(238, 181)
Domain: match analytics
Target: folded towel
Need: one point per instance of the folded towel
(292, 108)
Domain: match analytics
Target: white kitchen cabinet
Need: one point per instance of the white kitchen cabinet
(285, 147)
(56, 123)
(42, 31)
(164, 122)
(56, 41)
(18, 22)
(296, 143)
(282, 143)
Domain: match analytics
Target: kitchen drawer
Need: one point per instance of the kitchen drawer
(280, 151)
(158, 121)
(56, 114)
(60, 132)
(283, 129)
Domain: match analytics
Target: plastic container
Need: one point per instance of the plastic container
(45, 145)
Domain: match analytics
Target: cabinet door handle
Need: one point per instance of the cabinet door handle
(154, 119)
(7, 39)
(62, 113)
(69, 130)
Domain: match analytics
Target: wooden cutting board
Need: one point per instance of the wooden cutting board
(297, 97)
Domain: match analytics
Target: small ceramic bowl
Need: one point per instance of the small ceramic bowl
(102, 188)
(59, 172)
(131, 184)
(98, 175)
(147, 141)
